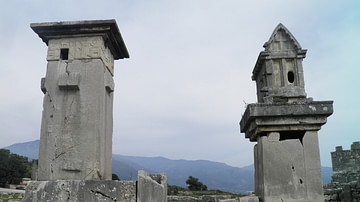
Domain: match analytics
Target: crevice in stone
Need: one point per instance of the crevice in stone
(292, 135)
(57, 156)
(64, 152)
(102, 194)
(89, 173)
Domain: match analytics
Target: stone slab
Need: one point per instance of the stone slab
(151, 187)
(81, 190)
(288, 170)
(108, 29)
(299, 116)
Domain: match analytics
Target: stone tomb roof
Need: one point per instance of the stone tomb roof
(281, 44)
(108, 29)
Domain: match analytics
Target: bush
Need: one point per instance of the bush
(195, 185)
(13, 168)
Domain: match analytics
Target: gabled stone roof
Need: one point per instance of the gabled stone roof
(292, 49)
(287, 32)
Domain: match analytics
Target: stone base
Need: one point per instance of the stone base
(289, 169)
(81, 190)
(149, 187)
(242, 199)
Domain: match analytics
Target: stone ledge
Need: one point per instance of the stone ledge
(261, 117)
(108, 29)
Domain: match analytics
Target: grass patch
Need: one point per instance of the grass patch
(5, 197)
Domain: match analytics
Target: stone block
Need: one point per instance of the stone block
(81, 190)
(288, 169)
(69, 81)
(216, 198)
(151, 187)
(300, 116)
(249, 199)
(76, 131)
(230, 200)
(355, 146)
(182, 199)
(43, 87)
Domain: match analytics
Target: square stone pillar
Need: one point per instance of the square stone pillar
(288, 169)
(77, 119)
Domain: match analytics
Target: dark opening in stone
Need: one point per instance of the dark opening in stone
(64, 53)
(291, 77)
(286, 135)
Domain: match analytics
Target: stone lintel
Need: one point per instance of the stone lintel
(264, 117)
(108, 29)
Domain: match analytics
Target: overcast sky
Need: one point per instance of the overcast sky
(183, 90)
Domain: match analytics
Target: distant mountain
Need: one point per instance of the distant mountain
(28, 149)
(215, 175)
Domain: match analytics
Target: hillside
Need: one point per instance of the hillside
(214, 174)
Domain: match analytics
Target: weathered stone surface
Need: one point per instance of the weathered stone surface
(151, 187)
(77, 121)
(288, 169)
(345, 183)
(249, 199)
(346, 164)
(296, 116)
(182, 199)
(284, 123)
(205, 198)
(114, 46)
(278, 71)
(81, 190)
(215, 198)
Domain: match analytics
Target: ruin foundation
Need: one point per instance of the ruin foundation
(148, 187)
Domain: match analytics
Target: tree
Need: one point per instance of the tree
(195, 185)
(13, 168)
(115, 177)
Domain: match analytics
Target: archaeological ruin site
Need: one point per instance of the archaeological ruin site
(77, 121)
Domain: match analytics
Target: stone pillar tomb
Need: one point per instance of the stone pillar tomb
(75, 156)
(77, 120)
(284, 123)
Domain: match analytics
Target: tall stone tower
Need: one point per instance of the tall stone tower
(77, 120)
(284, 123)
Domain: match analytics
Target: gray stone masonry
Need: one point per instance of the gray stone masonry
(284, 123)
(242, 199)
(205, 198)
(81, 190)
(345, 183)
(77, 119)
(151, 187)
(148, 188)
(212, 198)
(346, 164)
